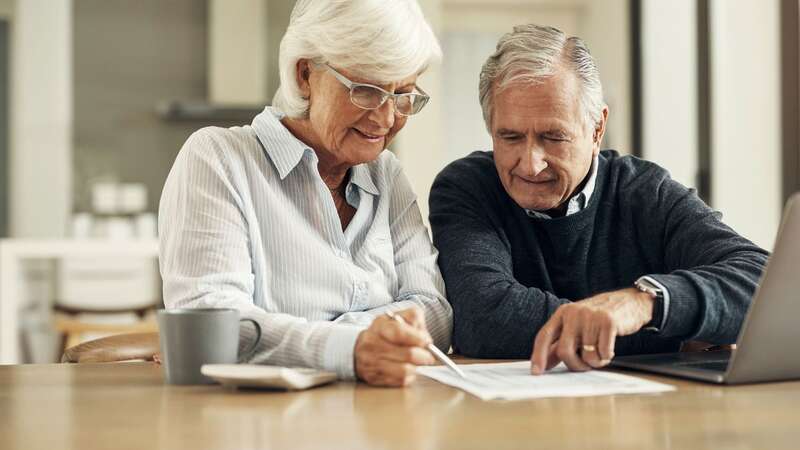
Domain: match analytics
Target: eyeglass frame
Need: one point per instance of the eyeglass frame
(386, 94)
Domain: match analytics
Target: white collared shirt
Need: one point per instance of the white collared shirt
(247, 222)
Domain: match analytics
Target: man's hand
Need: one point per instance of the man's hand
(582, 334)
(387, 353)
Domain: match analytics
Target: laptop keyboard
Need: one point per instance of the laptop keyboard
(704, 361)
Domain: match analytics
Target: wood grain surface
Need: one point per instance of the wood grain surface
(128, 406)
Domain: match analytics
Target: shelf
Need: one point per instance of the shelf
(177, 110)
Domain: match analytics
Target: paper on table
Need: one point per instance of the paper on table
(513, 381)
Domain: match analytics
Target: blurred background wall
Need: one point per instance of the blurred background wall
(92, 72)
(127, 57)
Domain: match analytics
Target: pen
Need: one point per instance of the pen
(438, 354)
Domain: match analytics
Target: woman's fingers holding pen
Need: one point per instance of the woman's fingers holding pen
(381, 364)
(387, 353)
(381, 372)
(413, 316)
(405, 354)
(406, 327)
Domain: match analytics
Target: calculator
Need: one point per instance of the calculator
(267, 377)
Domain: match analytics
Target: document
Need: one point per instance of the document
(513, 381)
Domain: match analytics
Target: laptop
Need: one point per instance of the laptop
(766, 346)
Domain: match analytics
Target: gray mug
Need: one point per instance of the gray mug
(190, 338)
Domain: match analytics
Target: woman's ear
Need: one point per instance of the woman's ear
(303, 74)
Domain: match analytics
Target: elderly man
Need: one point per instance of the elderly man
(549, 245)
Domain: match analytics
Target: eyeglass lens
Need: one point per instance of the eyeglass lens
(370, 98)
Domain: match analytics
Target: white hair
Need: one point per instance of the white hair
(532, 53)
(381, 40)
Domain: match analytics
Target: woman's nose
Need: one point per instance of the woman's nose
(384, 114)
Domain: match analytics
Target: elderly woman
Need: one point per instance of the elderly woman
(302, 220)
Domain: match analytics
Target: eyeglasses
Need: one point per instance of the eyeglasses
(367, 96)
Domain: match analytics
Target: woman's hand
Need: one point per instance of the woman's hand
(388, 352)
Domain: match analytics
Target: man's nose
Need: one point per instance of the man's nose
(534, 159)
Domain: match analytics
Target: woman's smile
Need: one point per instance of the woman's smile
(369, 137)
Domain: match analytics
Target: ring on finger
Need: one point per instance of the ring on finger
(588, 348)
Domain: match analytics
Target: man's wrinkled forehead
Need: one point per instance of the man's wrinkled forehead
(551, 101)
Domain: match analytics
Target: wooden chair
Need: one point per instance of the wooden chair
(120, 347)
(92, 289)
(71, 328)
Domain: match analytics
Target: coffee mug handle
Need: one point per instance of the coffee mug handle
(250, 351)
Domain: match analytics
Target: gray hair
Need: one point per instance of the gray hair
(381, 40)
(532, 53)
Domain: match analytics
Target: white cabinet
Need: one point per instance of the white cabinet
(14, 251)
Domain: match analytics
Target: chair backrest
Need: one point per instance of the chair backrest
(120, 347)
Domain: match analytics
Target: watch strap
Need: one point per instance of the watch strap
(657, 293)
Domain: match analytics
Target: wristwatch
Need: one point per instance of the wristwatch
(645, 285)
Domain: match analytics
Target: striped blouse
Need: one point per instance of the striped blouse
(245, 221)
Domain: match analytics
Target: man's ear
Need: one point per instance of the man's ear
(303, 74)
(599, 131)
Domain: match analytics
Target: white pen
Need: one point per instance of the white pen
(438, 354)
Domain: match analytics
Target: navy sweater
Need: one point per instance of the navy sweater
(506, 272)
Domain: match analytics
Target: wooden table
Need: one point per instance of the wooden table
(128, 406)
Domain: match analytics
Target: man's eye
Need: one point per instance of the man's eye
(511, 137)
(556, 138)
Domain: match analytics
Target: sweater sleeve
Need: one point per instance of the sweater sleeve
(494, 315)
(711, 272)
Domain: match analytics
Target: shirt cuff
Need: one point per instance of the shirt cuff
(339, 351)
(665, 299)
